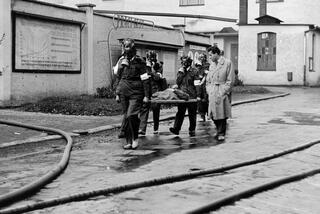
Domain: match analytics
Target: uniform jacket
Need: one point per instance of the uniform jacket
(185, 81)
(133, 80)
(202, 73)
(219, 82)
(155, 73)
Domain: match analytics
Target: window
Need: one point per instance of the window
(191, 2)
(267, 51)
(270, 1)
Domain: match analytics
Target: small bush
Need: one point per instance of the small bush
(237, 80)
(75, 105)
(250, 90)
(106, 92)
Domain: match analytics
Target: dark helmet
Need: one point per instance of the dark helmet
(128, 46)
(152, 56)
(202, 57)
(186, 61)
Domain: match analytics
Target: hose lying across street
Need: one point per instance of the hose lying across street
(48, 177)
(177, 178)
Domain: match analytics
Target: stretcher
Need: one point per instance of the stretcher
(173, 101)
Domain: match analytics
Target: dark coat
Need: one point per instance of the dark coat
(131, 79)
(185, 81)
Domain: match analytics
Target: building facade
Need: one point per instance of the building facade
(275, 52)
(54, 50)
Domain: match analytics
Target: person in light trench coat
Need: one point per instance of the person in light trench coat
(219, 82)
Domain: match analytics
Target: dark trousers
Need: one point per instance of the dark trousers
(202, 107)
(221, 126)
(144, 114)
(131, 121)
(156, 115)
(192, 112)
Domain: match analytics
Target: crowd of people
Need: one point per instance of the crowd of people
(209, 82)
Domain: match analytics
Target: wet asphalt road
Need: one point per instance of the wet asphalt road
(256, 130)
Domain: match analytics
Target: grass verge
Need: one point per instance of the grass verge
(92, 105)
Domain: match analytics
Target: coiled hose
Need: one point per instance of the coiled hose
(48, 177)
(149, 183)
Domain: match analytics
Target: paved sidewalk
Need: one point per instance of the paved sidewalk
(84, 124)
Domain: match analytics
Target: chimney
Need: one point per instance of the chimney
(243, 14)
(263, 8)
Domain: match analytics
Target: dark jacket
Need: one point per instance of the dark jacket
(185, 81)
(155, 72)
(131, 79)
(201, 73)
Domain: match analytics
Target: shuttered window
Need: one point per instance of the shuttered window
(267, 51)
(191, 2)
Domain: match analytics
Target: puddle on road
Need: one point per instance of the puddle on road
(166, 144)
(298, 118)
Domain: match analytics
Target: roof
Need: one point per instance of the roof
(227, 30)
(266, 19)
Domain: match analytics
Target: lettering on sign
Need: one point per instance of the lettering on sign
(121, 21)
(42, 45)
(197, 47)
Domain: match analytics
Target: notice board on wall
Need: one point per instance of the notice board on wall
(46, 46)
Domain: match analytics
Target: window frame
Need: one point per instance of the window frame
(262, 49)
(271, 1)
(186, 3)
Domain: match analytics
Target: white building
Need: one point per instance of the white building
(216, 8)
(282, 50)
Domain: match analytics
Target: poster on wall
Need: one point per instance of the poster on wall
(193, 51)
(46, 46)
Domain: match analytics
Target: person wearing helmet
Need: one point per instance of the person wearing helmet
(132, 91)
(155, 72)
(186, 81)
(202, 67)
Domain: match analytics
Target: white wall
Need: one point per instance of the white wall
(289, 11)
(104, 27)
(5, 51)
(219, 8)
(290, 55)
(313, 75)
(32, 86)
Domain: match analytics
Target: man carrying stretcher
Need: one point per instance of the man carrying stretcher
(187, 80)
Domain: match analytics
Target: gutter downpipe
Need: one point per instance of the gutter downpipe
(304, 57)
(184, 40)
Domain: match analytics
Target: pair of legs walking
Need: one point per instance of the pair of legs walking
(144, 114)
(192, 112)
(130, 124)
(203, 109)
(221, 126)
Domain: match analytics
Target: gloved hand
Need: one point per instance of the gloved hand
(117, 98)
(125, 62)
(149, 63)
(181, 70)
(145, 99)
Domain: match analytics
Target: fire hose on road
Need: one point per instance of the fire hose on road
(177, 178)
(47, 178)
